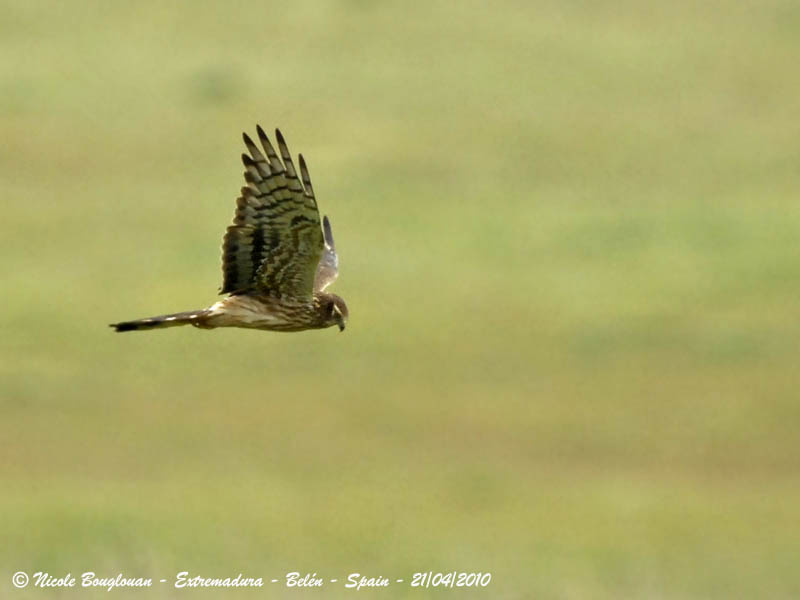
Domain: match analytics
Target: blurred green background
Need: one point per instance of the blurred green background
(568, 235)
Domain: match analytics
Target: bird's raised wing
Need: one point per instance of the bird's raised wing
(275, 243)
(328, 269)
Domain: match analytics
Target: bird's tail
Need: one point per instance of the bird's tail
(193, 317)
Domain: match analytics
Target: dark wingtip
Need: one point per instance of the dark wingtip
(123, 326)
(247, 140)
(260, 131)
(328, 232)
(279, 136)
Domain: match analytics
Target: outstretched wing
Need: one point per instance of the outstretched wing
(328, 269)
(275, 242)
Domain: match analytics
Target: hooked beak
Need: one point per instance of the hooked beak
(340, 321)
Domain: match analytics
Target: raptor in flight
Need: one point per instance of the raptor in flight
(277, 258)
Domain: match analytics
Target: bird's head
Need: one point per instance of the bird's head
(335, 311)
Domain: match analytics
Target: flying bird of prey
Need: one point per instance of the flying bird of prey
(277, 259)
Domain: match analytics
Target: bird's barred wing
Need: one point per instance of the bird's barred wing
(328, 269)
(275, 242)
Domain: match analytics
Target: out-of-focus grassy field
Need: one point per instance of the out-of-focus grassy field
(568, 237)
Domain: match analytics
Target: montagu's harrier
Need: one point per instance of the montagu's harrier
(277, 258)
